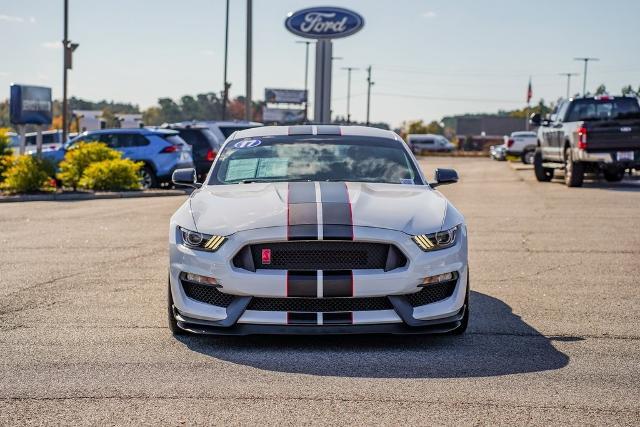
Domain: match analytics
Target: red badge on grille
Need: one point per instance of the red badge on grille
(266, 256)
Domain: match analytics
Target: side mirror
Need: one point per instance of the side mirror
(535, 119)
(445, 176)
(185, 177)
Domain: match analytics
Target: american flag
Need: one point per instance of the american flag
(529, 91)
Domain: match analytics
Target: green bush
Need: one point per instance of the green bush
(78, 158)
(6, 159)
(112, 175)
(27, 174)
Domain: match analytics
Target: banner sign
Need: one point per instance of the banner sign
(285, 96)
(30, 105)
(282, 115)
(324, 22)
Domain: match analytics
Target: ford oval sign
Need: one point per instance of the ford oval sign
(324, 22)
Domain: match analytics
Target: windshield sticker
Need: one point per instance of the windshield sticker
(407, 181)
(240, 169)
(271, 167)
(247, 143)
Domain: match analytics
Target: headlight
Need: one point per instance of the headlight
(201, 241)
(436, 241)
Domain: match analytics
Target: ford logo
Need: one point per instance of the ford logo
(324, 22)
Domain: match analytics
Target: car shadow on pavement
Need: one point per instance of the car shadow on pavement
(497, 342)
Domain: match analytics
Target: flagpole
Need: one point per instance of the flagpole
(526, 113)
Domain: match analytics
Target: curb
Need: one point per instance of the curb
(90, 196)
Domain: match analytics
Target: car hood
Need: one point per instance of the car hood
(226, 209)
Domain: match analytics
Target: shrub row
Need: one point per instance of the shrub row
(92, 166)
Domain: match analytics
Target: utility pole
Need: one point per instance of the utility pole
(569, 75)
(225, 90)
(247, 102)
(65, 47)
(349, 69)
(306, 76)
(584, 78)
(369, 84)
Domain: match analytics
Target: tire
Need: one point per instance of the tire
(573, 171)
(148, 178)
(542, 174)
(614, 175)
(465, 319)
(173, 323)
(527, 157)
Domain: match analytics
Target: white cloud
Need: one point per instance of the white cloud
(207, 52)
(430, 14)
(9, 18)
(4, 73)
(32, 20)
(52, 45)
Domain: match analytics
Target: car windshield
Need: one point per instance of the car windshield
(291, 158)
(603, 109)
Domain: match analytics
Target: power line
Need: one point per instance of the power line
(437, 98)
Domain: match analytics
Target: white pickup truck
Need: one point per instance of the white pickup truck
(521, 144)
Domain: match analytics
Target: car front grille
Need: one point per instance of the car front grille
(432, 293)
(207, 294)
(320, 255)
(319, 304)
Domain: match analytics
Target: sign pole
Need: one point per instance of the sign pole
(247, 106)
(39, 140)
(322, 99)
(23, 139)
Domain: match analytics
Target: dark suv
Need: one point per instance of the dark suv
(205, 145)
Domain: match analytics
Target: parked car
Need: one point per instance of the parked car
(51, 140)
(161, 150)
(498, 152)
(339, 235)
(224, 129)
(594, 134)
(204, 144)
(206, 138)
(521, 144)
(429, 142)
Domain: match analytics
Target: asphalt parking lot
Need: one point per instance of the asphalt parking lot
(554, 334)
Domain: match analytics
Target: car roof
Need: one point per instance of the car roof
(363, 131)
(142, 131)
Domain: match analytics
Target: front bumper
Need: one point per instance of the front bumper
(399, 317)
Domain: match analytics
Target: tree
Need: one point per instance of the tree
(601, 90)
(628, 90)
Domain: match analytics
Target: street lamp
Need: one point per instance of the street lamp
(584, 79)
(306, 75)
(349, 70)
(569, 75)
(67, 51)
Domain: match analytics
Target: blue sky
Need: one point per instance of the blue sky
(429, 58)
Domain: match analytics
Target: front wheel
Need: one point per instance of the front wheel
(465, 319)
(173, 323)
(573, 171)
(542, 174)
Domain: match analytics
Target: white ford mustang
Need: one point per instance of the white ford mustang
(317, 229)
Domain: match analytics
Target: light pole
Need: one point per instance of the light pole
(569, 75)
(247, 101)
(225, 90)
(306, 76)
(584, 78)
(369, 84)
(349, 70)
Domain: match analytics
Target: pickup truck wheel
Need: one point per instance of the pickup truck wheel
(527, 157)
(542, 174)
(573, 171)
(614, 175)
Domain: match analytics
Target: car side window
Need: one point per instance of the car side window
(138, 140)
(562, 111)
